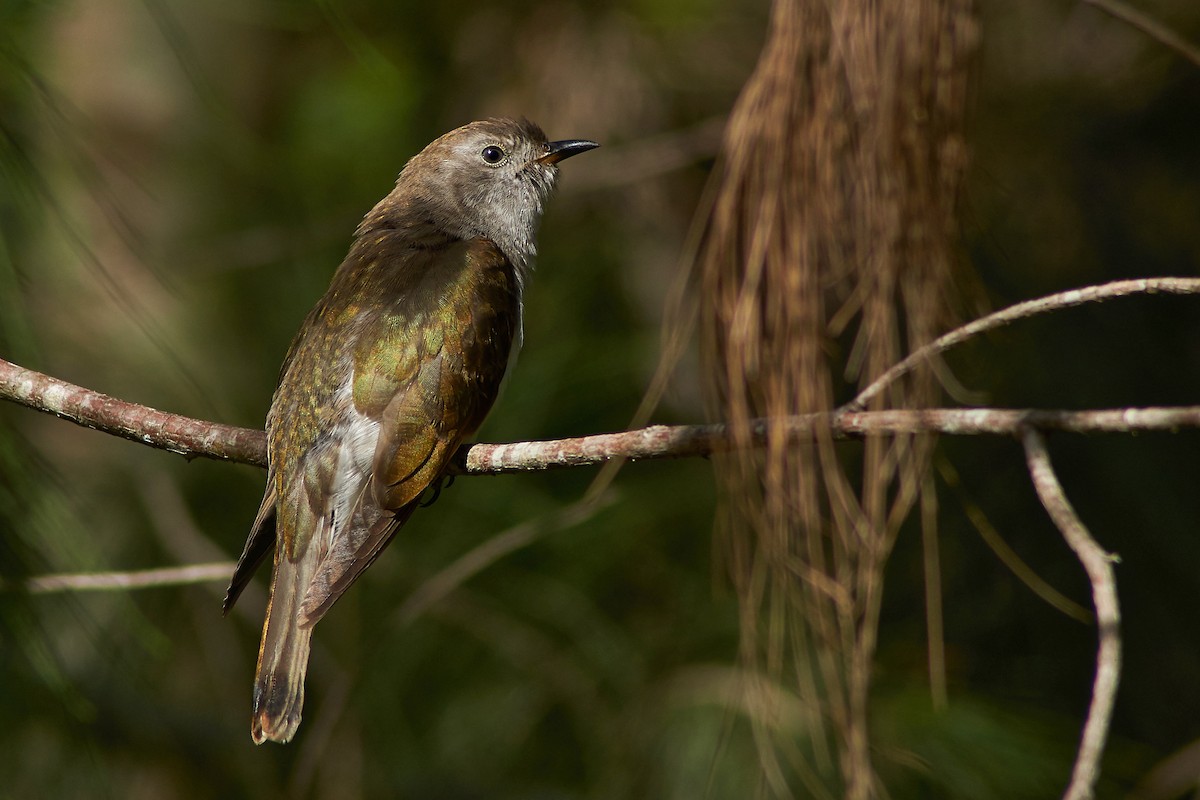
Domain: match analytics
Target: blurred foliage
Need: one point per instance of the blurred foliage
(178, 183)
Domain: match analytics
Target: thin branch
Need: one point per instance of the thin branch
(1003, 551)
(196, 438)
(1029, 308)
(935, 631)
(191, 437)
(648, 158)
(682, 441)
(1149, 26)
(122, 581)
(479, 558)
(1098, 565)
(184, 435)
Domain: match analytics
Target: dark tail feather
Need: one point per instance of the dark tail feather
(335, 575)
(258, 544)
(282, 656)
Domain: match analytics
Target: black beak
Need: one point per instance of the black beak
(557, 151)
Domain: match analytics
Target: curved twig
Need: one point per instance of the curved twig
(1098, 565)
(1149, 26)
(1028, 308)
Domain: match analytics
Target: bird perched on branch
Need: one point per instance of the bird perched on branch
(393, 369)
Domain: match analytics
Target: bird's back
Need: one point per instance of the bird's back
(422, 338)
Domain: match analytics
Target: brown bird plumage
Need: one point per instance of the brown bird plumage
(393, 369)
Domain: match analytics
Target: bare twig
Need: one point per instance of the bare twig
(1029, 308)
(681, 441)
(192, 437)
(196, 438)
(1149, 26)
(1003, 551)
(1098, 565)
(183, 435)
(479, 558)
(1172, 777)
(935, 637)
(123, 581)
(647, 158)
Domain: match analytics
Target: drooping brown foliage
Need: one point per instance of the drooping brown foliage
(829, 254)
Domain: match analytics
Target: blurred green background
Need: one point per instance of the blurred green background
(178, 182)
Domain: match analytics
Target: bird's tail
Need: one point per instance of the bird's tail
(282, 655)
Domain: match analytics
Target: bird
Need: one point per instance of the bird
(393, 369)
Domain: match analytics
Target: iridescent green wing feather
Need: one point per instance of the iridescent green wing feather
(461, 348)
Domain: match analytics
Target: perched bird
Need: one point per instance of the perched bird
(393, 369)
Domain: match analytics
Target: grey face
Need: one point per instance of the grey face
(490, 179)
(503, 185)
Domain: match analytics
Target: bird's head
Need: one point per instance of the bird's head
(488, 179)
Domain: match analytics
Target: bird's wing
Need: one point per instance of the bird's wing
(413, 447)
(263, 532)
(430, 381)
(258, 544)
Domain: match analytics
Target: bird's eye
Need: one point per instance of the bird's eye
(493, 154)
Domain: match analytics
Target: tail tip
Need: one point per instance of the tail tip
(277, 706)
(264, 729)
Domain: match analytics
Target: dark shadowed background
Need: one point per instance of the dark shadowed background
(177, 183)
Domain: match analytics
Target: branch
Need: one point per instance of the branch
(682, 441)
(1029, 308)
(1149, 26)
(196, 438)
(120, 581)
(1098, 565)
(192, 437)
(184, 435)
(480, 557)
